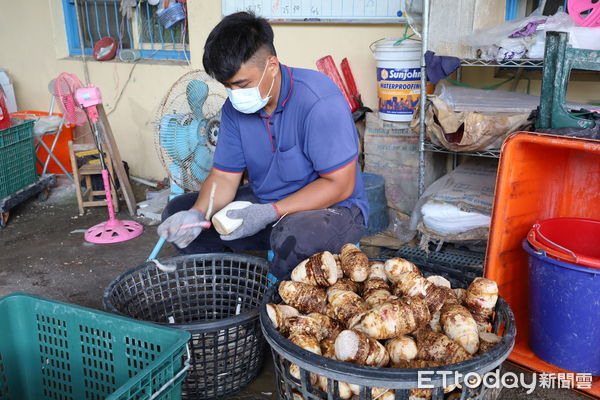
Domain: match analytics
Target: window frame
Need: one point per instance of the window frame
(146, 49)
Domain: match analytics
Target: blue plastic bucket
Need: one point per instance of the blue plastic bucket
(564, 312)
(378, 213)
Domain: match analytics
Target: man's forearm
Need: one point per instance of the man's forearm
(226, 189)
(317, 195)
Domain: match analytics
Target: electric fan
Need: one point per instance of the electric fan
(78, 105)
(187, 128)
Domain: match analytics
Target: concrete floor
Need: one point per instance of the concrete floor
(42, 252)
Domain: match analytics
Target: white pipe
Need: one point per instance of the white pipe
(143, 181)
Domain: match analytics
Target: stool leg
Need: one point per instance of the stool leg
(49, 150)
(38, 141)
(76, 178)
(90, 187)
(114, 194)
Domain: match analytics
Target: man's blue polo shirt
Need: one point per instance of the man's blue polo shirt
(311, 133)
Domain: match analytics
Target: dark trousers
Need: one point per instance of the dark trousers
(296, 237)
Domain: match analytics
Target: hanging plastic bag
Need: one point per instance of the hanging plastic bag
(526, 37)
(497, 44)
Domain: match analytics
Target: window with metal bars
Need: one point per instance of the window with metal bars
(143, 31)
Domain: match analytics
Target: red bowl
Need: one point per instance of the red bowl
(104, 43)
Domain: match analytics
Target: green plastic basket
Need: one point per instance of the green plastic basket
(53, 350)
(17, 157)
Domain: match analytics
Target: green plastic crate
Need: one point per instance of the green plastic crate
(17, 157)
(53, 350)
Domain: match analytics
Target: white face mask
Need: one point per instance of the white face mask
(249, 100)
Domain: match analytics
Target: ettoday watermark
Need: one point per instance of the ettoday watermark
(495, 379)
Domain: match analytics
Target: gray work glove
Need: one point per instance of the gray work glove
(183, 227)
(255, 218)
(127, 7)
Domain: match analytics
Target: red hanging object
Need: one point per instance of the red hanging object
(327, 67)
(349, 78)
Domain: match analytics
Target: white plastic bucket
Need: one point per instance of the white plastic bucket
(398, 77)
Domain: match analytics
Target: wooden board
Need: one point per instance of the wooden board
(110, 146)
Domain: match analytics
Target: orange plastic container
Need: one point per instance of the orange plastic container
(61, 150)
(540, 176)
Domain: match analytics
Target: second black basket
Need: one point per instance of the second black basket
(215, 297)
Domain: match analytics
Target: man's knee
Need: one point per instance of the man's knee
(180, 203)
(316, 231)
(303, 234)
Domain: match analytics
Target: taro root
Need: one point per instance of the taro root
(375, 291)
(225, 225)
(329, 327)
(279, 313)
(439, 281)
(307, 342)
(377, 270)
(346, 305)
(402, 348)
(344, 284)
(481, 299)
(358, 348)
(302, 296)
(459, 325)
(355, 263)
(318, 270)
(435, 346)
(394, 318)
(396, 267)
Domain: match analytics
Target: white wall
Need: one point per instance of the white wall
(34, 50)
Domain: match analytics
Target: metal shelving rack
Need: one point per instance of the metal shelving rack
(530, 63)
(426, 146)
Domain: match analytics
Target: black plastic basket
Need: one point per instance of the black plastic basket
(450, 260)
(216, 298)
(402, 380)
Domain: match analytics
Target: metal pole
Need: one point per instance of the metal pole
(452, 159)
(86, 72)
(423, 100)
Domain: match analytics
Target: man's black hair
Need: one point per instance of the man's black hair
(233, 42)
